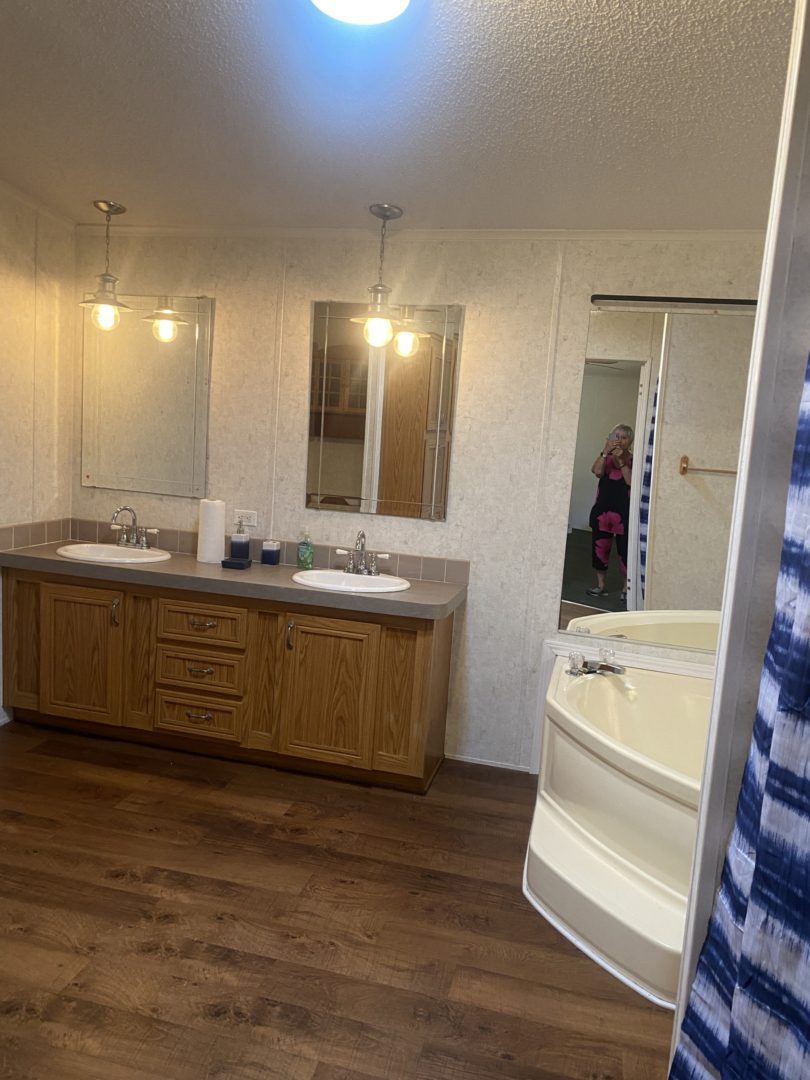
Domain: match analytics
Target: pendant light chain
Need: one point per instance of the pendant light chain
(382, 250)
(107, 256)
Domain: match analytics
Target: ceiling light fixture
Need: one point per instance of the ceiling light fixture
(362, 12)
(106, 307)
(165, 321)
(407, 338)
(377, 325)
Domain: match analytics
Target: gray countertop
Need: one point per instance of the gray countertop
(424, 599)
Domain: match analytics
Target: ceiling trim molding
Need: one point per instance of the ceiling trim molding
(440, 235)
(35, 204)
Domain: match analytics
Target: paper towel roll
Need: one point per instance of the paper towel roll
(211, 532)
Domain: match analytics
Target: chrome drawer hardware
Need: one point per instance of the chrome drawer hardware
(199, 671)
(202, 624)
(200, 717)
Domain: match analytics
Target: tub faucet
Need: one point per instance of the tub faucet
(605, 665)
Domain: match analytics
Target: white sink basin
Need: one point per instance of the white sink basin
(338, 581)
(112, 553)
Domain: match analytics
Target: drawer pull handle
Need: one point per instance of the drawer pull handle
(199, 672)
(202, 624)
(290, 629)
(114, 606)
(199, 717)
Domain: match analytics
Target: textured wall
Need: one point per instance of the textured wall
(36, 361)
(703, 401)
(527, 308)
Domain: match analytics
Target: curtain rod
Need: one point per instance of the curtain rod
(672, 303)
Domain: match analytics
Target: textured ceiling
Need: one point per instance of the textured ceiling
(234, 114)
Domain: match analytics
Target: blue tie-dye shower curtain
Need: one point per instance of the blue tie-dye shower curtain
(749, 1011)
(644, 500)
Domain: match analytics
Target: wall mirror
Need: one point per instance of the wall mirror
(381, 424)
(145, 402)
(676, 372)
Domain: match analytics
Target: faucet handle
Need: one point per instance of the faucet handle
(607, 656)
(122, 531)
(576, 662)
(152, 532)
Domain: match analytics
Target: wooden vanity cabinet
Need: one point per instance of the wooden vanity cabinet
(81, 652)
(328, 689)
(316, 691)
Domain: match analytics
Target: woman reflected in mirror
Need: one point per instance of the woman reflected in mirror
(610, 513)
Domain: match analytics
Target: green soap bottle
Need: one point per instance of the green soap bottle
(305, 552)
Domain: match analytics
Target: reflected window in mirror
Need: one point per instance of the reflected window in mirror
(380, 423)
(677, 376)
(145, 401)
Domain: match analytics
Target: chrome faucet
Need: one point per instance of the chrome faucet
(132, 535)
(359, 560)
(360, 557)
(605, 665)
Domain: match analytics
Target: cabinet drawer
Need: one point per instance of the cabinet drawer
(184, 667)
(197, 716)
(182, 621)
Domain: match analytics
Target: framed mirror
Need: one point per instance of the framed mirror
(145, 402)
(649, 521)
(380, 422)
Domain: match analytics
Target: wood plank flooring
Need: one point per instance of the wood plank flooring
(172, 917)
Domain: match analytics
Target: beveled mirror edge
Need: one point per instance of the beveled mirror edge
(454, 318)
(203, 308)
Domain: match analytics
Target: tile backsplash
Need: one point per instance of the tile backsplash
(415, 567)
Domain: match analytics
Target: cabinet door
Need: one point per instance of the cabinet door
(81, 652)
(328, 691)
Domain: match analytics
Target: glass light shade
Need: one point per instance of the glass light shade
(406, 344)
(106, 308)
(362, 12)
(165, 321)
(164, 330)
(378, 332)
(105, 316)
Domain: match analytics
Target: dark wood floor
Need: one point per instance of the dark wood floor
(169, 916)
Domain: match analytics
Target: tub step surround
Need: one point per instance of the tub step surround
(401, 564)
(624, 919)
(610, 851)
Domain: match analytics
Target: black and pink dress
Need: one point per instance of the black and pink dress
(610, 516)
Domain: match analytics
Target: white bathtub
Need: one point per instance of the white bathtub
(610, 851)
(689, 629)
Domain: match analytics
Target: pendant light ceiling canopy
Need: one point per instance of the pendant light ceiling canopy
(105, 305)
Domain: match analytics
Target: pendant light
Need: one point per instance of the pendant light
(165, 321)
(106, 307)
(408, 338)
(377, 322)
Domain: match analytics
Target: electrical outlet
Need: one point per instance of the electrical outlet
(248, 517)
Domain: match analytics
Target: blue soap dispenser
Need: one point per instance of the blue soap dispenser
(240, 543)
